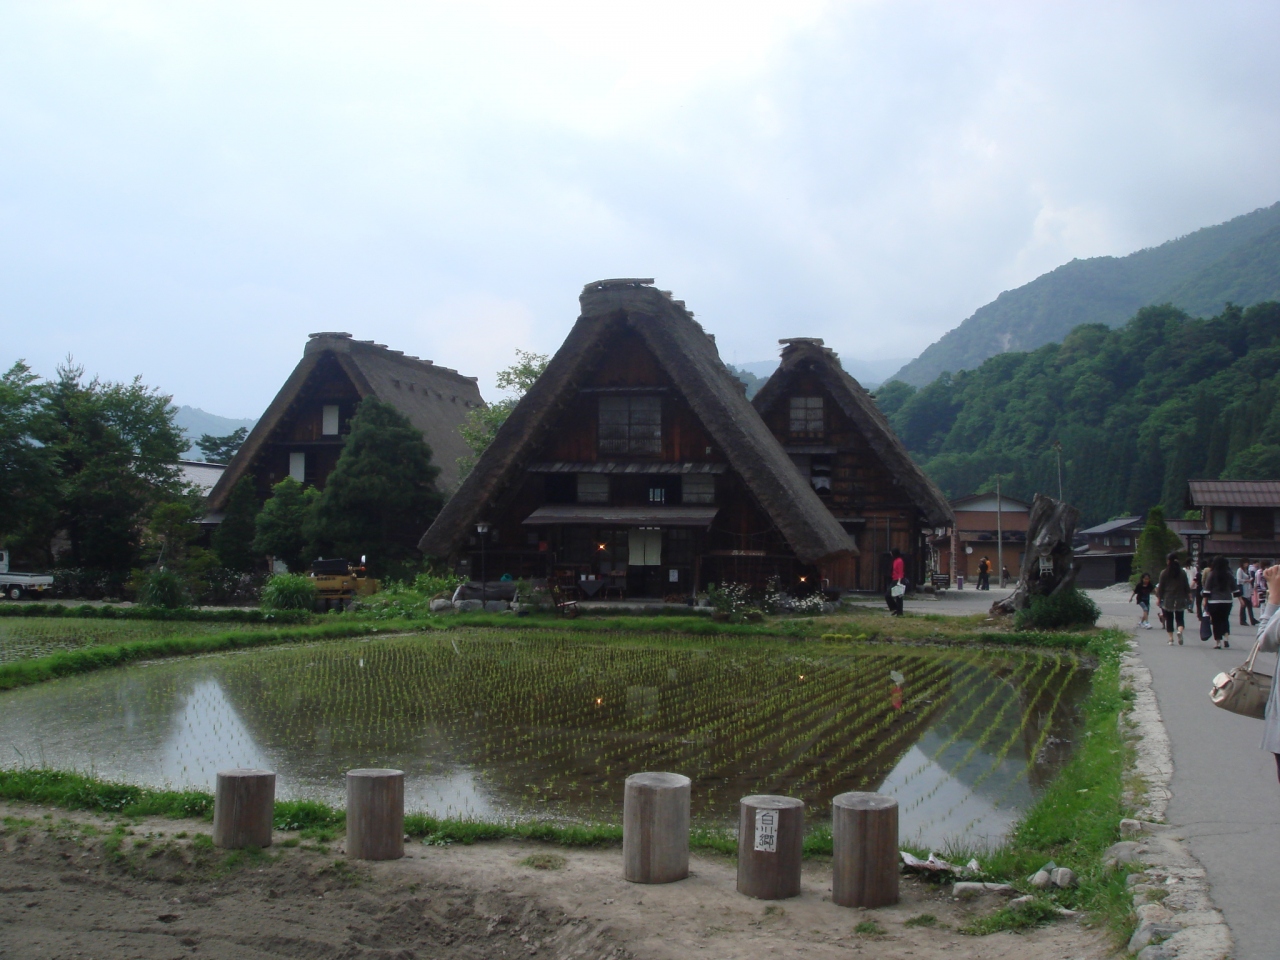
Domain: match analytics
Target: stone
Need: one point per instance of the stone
(1021, 901)
(1150, 930)
(968, 889)
(1130, 828)
(495, 606)
(1155, 912)
(468, 606)
(1126, 851)
(1041, 879)
(828, 608)
(441, 606)
(1063, 878)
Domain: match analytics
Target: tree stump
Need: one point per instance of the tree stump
(655, 828)
(244, 804)
(375, 814)
(864, 834)
(770, 841)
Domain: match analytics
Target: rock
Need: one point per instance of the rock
(1126, 851)
(468, 606)
(1021, 901)
(1062, 877)
(1041, 879)
(495, 606)
(441, 606)
(1155, 912)
(1135, 878)
(967, 889)
(1130, 828)
(828, 608)
(1150, 930)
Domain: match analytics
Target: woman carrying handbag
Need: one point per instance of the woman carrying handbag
(1268, 642)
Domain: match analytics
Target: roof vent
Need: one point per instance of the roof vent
(329, 333)
(789, 341)
(618, 283)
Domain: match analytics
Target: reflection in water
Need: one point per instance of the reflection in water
(523, 725)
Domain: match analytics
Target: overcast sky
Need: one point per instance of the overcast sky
(188, 189)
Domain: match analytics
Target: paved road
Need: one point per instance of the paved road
(1226, 798)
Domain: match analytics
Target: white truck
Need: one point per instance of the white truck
(15, 586)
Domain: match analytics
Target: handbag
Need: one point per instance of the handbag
(1243, 690)
(1206, 627)
(898, 590)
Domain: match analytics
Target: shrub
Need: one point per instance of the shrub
(162, 588)
(729, 597)
(1069, 608)
(289, 591)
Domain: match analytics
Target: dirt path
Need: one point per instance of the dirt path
(78, 886)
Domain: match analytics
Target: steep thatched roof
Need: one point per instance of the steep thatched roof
(688, 356)
(805, 355)
(435, 399)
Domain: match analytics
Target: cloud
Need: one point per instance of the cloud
(187, 190)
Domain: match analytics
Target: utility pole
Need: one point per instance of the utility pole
(1057, 450)
(999, 535)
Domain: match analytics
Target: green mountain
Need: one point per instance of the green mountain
(1237, 261)
(195, 422)
(1138, 410)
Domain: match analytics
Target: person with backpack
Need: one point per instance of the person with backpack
(1220, 591)
(1173, 591)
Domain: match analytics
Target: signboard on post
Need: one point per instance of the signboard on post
(767, 831)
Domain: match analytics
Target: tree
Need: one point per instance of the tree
(221, 449)
(382, 493)
(114, 449)
(281, 526)
(26, 467)
(481, 426)
(233, 540)
(1155, 543)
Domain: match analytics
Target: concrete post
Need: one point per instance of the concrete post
(243, 808)
(770, 842)
(864, 833)
(375, 814)
(655, 828)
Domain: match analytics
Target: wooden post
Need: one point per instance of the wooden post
(655, 828)
(770, 841)
(864, 834)
(375, 814)
(243, 808)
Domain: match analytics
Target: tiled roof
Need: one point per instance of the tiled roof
(1234, 493)
(1117, 524)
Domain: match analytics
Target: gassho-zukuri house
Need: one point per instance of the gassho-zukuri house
(636, 459)
(302, 432)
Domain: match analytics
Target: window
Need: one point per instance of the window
(329, 420)
(820, 474)
(630, 424)
(680, 546)
(593, 488)
(645, 547)
(698, 488)
(298, 465)
(657, 494)
(806, 416)
(1226, 521)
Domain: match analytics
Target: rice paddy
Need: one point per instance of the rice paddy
(501, 724)
(25, 638)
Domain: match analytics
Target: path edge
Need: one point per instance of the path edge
(1177, 919)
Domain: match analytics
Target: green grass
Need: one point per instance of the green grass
(32, 638)
(86, 659)
(868, 928)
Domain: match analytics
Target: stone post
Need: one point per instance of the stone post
(770, 842)
(375, 814)
(864, 834)
(243, 808)
(655, 828)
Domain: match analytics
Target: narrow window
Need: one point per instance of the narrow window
(298, 465)
(657, 494)
(593, 488)
(630, 425)
(698, 488)
(329, 420)
(806, 416)
(645, 547)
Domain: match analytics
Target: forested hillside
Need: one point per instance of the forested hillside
(1237, 262)
(1139, 410)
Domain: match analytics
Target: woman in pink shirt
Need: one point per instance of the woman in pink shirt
(897, 577)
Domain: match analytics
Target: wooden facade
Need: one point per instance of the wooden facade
(637, 463)
(845, 450)
(303, 430)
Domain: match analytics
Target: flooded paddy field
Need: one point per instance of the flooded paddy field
(496, 724)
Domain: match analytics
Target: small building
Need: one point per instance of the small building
(636, 466)
(199, 475)
(983, 522)
(1241, 518)
(303, 430)
(1107, 556)
(845, 450)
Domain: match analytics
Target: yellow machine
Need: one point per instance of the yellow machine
(338, 582)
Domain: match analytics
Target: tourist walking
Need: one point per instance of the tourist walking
(1244, 580)
(897, 584)
(1269, 640)
(1173, 591)
(984, 574)
(1220, 591)
(1142, 594)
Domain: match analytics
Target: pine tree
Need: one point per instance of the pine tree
(233, 540)
(1155, 543)
(281, 526)
(381, 495)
